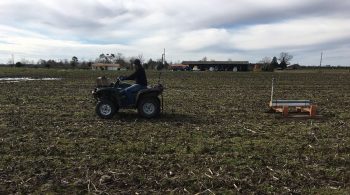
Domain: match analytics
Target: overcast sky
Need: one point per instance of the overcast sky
(189, 30)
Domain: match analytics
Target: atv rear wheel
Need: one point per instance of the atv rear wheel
(149, 107)
(105, 109)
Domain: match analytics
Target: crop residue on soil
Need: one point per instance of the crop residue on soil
(213, 137)
(18, 79)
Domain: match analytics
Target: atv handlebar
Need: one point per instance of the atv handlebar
(119, 80)
(116, 84)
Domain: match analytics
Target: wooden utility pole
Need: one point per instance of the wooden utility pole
(163, 57)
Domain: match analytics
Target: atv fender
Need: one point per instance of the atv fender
(148, 93)
(107, 93)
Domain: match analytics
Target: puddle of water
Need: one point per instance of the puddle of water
(18, 79)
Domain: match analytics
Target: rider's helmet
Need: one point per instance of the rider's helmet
(137, 62)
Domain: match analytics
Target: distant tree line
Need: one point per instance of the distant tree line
(74, 62)
(126, 63)
(65, 63)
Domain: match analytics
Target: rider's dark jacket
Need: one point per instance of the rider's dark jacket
(139, 76)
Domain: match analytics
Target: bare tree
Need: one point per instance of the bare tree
(140, 57)
(131, 62)
(102, 58)
(109, 58)
(266, 64)
(266, 60)
(119, 57)
(285, 59)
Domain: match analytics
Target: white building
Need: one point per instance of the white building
(101, 66)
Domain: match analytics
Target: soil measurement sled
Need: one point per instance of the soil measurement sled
(293, 108)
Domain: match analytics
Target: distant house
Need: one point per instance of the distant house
(293, 67)
(219, 65)
(101, 66)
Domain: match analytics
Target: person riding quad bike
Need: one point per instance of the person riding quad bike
(110, 98)
(140, 81)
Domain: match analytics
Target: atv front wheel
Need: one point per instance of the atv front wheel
(149, 107)
(105, 109)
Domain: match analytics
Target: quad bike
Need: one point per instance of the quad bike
(148, 101)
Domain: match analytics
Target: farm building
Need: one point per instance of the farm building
(177, 67)
(101, 66)
(219, 65)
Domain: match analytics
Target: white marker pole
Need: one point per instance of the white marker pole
(273, 81)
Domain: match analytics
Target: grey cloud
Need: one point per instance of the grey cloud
(183, 15)
(83, 17)
(262, 15)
